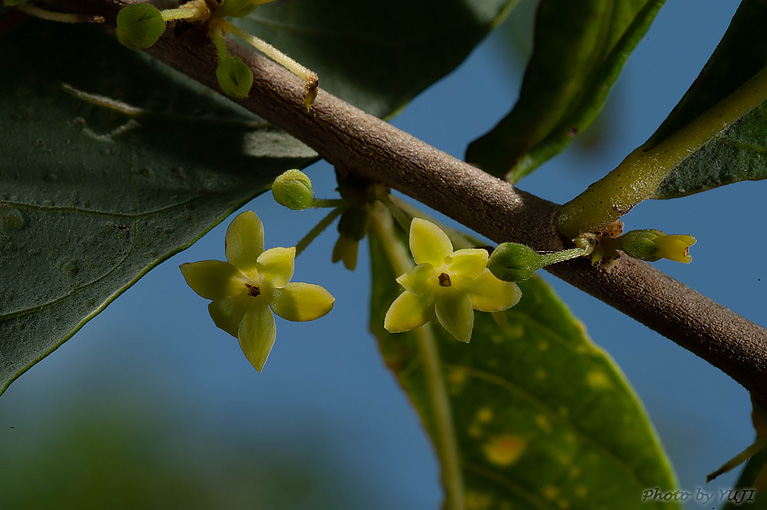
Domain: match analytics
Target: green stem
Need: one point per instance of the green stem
(59, 17)
(317, 230)
(220, 41)
(398, 214)
(190, 11)
(446, 443)
(548, 259)
(327, 202)
(640, 174)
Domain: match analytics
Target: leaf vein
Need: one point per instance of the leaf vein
(513, 388)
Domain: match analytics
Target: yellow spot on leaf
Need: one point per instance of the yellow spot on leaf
(504, 450)
(543, 423)
(515, 330)
(550, 492)
(563, 504)
(456, 379)
(544, 346)
(581, 491)
(475, 430)
(541, 374)
(575, 471)
(598, 380)
(485, 414)
(478, 501)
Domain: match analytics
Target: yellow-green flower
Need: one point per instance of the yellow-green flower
(446, 283)
(253, 284)
(652, 245)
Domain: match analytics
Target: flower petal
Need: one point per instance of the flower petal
(468, 263)
(428, 243)
(213, 279)
(455, 314)
(675, 247)
(244, 241)
(256, 334)
(346, 249)
(489, 294)
(227, 313)
(301, 302)
(408, 312)
(419, 280)
(276, 265)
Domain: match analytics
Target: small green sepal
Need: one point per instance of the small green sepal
(293, 189)
(139, 26)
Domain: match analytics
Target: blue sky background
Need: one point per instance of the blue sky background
(326, 418)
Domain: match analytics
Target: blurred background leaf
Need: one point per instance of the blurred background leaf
(579, 51)
(115, 451)
(542, 416)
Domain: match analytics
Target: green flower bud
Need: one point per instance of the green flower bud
(652, 245)
(640, 244)
(514, 262)
(293, 189)
(354, 223)
(139, 26)
(234, 77)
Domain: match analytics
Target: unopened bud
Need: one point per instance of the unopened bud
(293, 189)
(514, 262)
(139, 26)
(652, 245)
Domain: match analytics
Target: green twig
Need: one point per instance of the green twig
(640, 174)
(317, 230)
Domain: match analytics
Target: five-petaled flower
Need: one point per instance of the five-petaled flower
(446, 283)
(252, 282)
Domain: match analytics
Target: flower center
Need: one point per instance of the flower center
(444, 280)
(253, 290)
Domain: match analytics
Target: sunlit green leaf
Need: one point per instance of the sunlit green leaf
(580, 48)
(738, 153)
(541, 416)
(94, 192)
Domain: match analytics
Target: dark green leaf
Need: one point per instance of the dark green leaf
(579, 50)
(541, 416)
(377, 55)
(738, 153)
(91, 198)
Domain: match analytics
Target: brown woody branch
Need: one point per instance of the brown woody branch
(367, 147)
